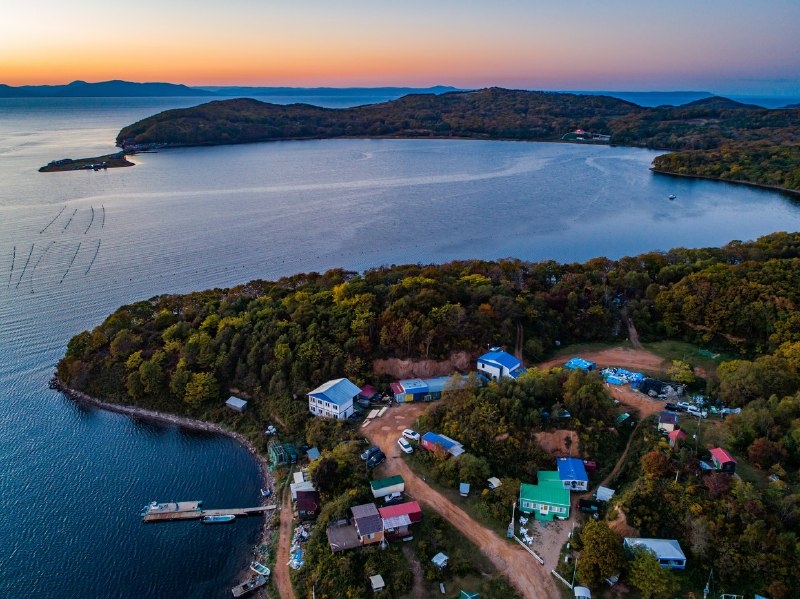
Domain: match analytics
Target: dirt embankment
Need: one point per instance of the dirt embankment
(406, 369)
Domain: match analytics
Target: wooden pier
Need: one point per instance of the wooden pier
(190, 510)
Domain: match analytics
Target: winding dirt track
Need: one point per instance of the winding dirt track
(529, 578)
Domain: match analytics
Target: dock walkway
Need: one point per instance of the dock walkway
(190, 510)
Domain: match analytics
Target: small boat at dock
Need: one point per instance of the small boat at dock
(259, 568)
(255, 582)
(218, 519)
(266, 492)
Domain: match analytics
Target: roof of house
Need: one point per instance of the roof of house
(550, 478)
(401, 509)
(434, 385)
(376, 582)
(367, 519)
(677, 434)
(500, 358)
(668, 418)
(448, 444)
(308, 501)
(662, 548)
(382, 483)
(571, 469)
(604, 493)
(337, 391)
(368, 391)
(550, 495)
(313, 454)
(236, 402)
(722, 456)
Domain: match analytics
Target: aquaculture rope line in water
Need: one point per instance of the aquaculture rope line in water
(88, 268)
(11, 272)
(71, 262)
(70, 220)
(91, 220)
(55, 218)
(24, 268)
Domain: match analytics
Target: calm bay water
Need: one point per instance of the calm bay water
(75, 246)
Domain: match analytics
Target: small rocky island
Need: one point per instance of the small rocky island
(94, 164)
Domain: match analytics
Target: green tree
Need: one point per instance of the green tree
(647, 575)
(201, 388)
(681, 372)
(601, 554)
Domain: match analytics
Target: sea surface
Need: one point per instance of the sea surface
(75, 246)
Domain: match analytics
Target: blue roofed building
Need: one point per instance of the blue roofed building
(497, 364)
(409, 390)
(333, 399)
(572, 473)
(433, 442)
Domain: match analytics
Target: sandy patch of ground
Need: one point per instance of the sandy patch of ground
(625, 357)
(555, 442)
(281, 573)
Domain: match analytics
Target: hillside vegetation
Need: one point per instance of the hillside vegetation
(721, 133)
(273, 341)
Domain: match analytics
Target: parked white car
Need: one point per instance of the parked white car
(411, 434)
(405, 445)
(695, 411)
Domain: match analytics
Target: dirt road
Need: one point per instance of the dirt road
(529, 578)
(281, 573)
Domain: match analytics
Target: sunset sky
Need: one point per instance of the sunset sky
(722, 46)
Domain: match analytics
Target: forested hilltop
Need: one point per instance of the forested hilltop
(728, 140)
(274, 341)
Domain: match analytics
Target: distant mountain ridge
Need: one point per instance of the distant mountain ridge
(127, 89)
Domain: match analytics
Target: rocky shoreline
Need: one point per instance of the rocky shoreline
(267, 479)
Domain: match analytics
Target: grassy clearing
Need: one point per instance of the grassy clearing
(696, 356)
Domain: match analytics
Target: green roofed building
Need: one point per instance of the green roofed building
(546, 501)
(387, 486)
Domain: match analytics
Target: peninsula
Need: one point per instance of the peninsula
(87, 164)
(712, 137)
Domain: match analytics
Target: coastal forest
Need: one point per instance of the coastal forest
(713, 137)
(273, 341)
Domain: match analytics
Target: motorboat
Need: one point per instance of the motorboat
(218, 518)
(259, 568)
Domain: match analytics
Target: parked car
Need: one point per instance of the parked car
(393, 498)
(370, 452)
(695, 411)
(684, 405)
(405, 445)
(675, 407)
(376, 458)
(411, 434)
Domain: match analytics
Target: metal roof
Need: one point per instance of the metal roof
(337, 391)
(668, 418)
(662, 548)
(550, 495)
(382, 483)
(500, 358)
(571, 469)
(721, 456)
(401, 509)
(235, 402)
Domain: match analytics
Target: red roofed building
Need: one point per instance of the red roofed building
(397, 518)
(676, 437)
(723, 461)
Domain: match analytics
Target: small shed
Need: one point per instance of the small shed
(440, 560)
(237, 404)
(386, 486)
(493, 483)
(463, 489)
(308, 505)
(377, 583)
(313, 454)
(668, 552)
(676, 437)
(604, 493)
(723, 461)
(432, 442)
(582, 593)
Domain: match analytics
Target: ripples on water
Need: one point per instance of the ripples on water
(75, 246)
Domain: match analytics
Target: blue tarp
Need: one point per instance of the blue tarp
(576, 362)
